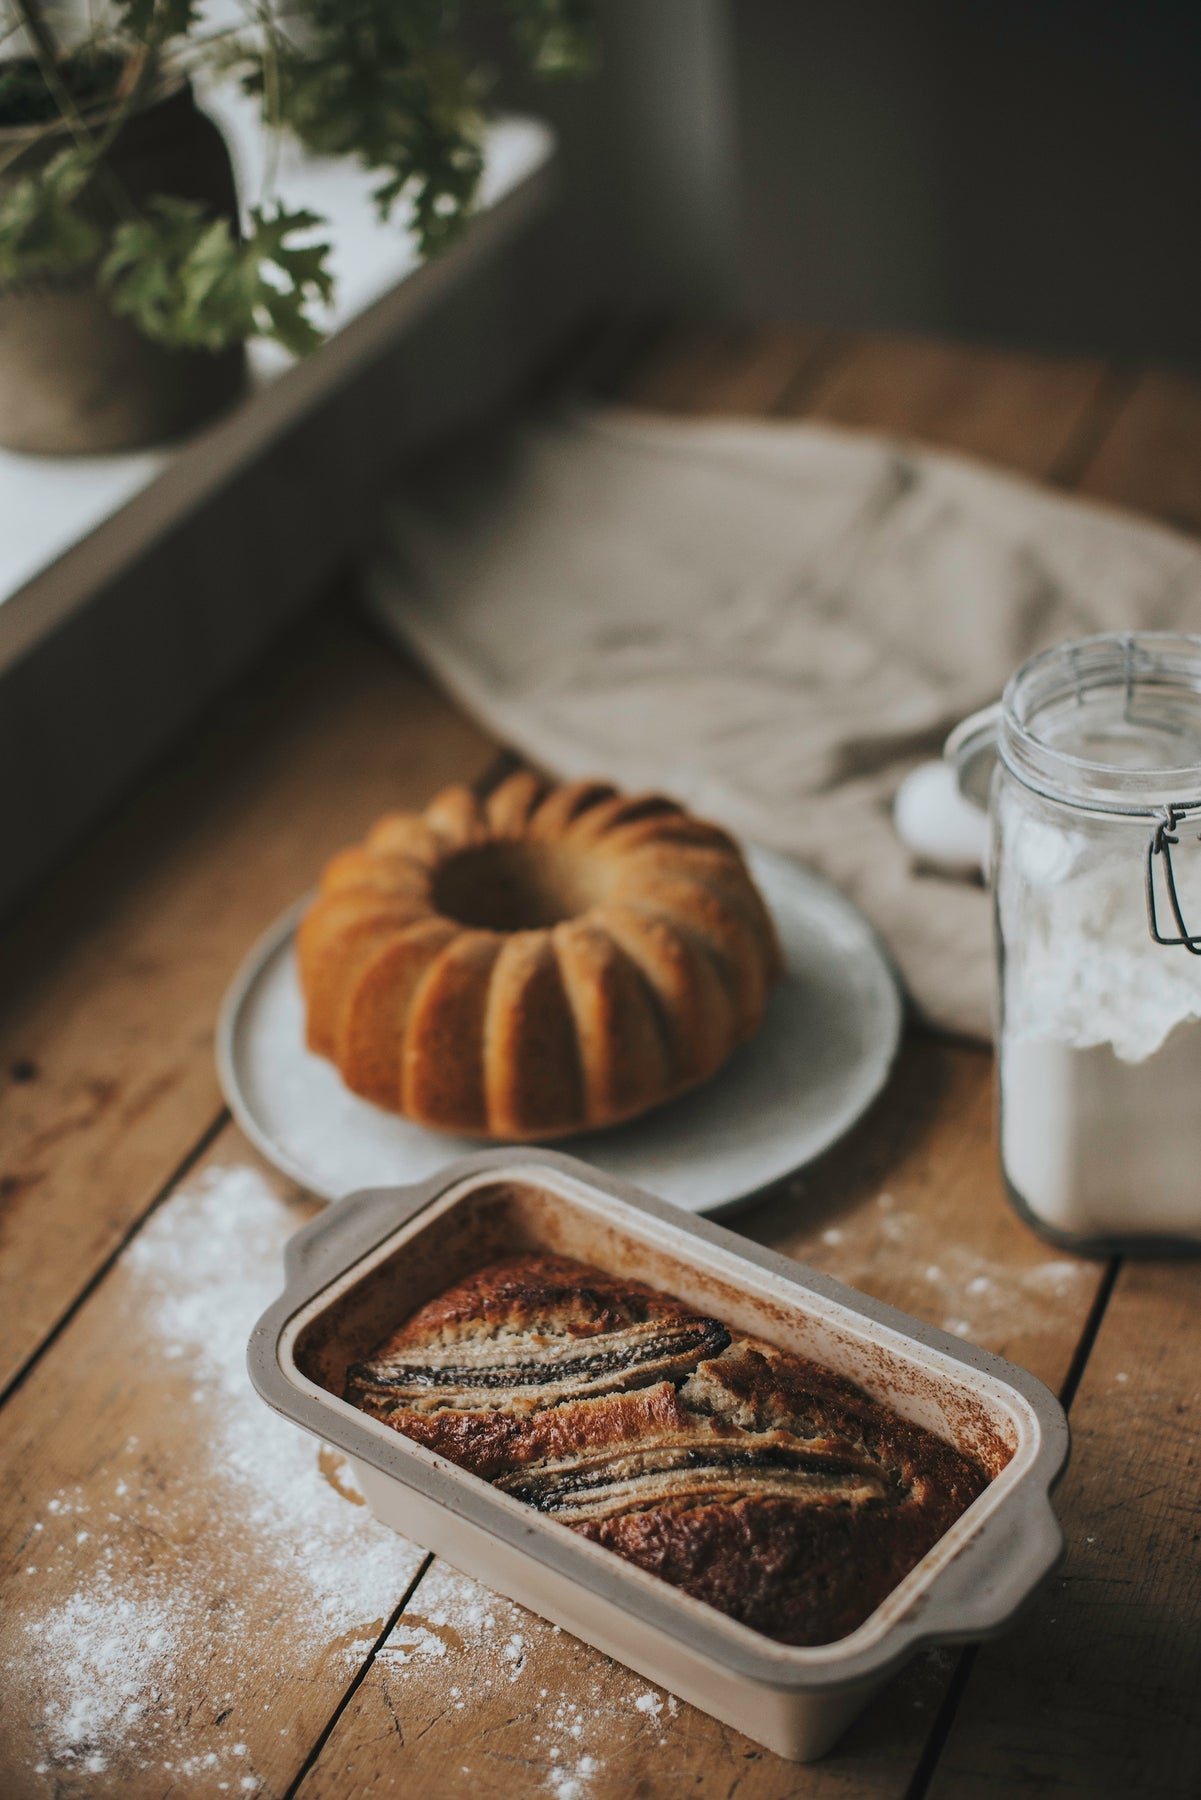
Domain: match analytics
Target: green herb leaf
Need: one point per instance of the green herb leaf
(42, 230)
(153, 21)
(386, 81)
(558, 36)
(188, 282)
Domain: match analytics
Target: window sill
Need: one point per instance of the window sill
(72, 525)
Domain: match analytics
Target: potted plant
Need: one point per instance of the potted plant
(130, 280)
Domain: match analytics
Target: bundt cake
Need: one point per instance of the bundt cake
(547, 960)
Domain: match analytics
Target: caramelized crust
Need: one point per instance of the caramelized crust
(774, 1489)
(544, 962)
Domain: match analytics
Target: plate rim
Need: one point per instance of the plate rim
(273, 939)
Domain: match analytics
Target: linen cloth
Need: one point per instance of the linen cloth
(772, 622)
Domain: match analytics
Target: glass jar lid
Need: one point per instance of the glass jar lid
(1111, 724)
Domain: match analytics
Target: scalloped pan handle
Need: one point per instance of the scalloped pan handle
(347, 1229)
(987, 1584)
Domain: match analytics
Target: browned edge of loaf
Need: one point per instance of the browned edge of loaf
(874, 1492)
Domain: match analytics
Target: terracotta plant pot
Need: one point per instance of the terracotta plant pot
(74, 377)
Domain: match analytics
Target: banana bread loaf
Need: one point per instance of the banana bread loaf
(769, 1487)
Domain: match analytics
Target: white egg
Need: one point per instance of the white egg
(933, 819)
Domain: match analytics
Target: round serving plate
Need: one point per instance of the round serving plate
(821, 1057)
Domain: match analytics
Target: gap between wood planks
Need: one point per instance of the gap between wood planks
(361, 1674)
(943, 1724)
(774, 370)
(795, 391)
(181, 1171)
(689, 382)
(504, 763)
(112, 973)
(1112, 397)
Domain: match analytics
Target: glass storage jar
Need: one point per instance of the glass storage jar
(1096, 872)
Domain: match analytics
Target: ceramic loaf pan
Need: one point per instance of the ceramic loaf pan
(355, 1272)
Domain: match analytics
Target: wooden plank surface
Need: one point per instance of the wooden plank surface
(714, 370)
(186, 1592)
(911, 1209)
(1026, 412)
(1151, 457)
(110, 981)
(185, 1579)
(471, 1694)
(1097, 1695)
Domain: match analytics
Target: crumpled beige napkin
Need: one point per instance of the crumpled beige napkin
(771, 621)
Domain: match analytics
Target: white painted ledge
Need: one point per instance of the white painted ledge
(69, 524)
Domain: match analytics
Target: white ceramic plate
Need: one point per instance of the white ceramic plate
(822, 1056)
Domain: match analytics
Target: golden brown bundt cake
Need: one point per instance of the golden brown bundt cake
(540, 962)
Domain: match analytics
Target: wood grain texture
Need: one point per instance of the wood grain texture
(1151, 457)
(1025, 412)
(1036, 415)
(1096, 1694)
(186, 1589)
(110, 982)
(715, 370)
(911, 1209)
(265, 1634)
(471, 1694)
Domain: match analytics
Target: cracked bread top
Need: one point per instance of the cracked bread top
(768, 1486)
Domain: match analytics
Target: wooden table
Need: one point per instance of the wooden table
(194, 1603)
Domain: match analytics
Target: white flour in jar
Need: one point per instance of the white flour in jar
(1100, 1051)
(1100, 1147)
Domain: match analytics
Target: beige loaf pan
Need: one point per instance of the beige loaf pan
(357, 1270)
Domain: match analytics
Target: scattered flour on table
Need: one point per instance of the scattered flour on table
(959, 1289)
(184, 1563)
(182, 1560)
(489, 1652)
(179, 1560)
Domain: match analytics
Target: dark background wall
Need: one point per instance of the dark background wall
(1024, 170)
(1028, 170)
